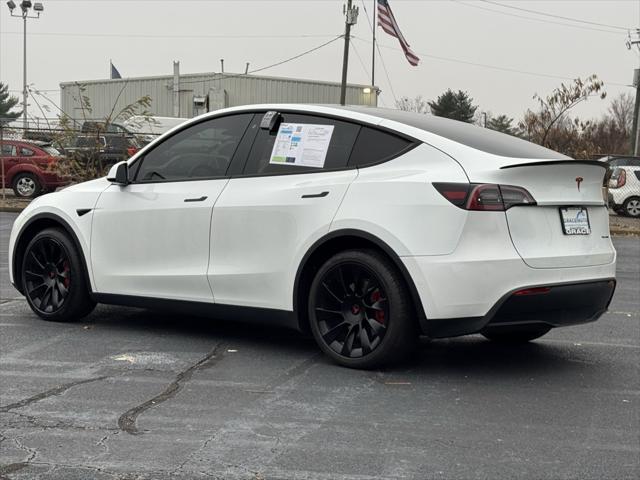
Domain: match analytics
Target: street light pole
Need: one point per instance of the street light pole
(25, 92)
(25, 6)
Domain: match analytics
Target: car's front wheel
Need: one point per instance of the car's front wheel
(26, 185)
(510, 334)
(360, 311)
(53, 277)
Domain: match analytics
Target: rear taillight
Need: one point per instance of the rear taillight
(131, 151)
(622, 179)
(484, 196)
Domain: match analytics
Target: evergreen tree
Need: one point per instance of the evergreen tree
(503, 124)
(457, 106)
(7, 102)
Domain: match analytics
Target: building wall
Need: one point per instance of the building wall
(226, 90)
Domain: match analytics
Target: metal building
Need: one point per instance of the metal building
(200, 93)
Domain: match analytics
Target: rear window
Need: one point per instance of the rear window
(54, 152)
(375, 146)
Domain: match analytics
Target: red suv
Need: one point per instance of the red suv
(27, 167)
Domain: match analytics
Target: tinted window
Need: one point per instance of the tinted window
(9, 150)
(26, 152)
(201, 151)
(621, 162)
(342, 141)
(373, 146)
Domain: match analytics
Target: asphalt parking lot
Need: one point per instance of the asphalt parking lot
(133, 394)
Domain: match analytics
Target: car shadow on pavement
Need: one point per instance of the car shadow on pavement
(469, 355)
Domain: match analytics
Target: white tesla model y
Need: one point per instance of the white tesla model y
(366, 227)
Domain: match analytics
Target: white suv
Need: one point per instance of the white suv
(624, 190)
(364, 226)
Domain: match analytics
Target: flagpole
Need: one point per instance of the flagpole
(373, 52)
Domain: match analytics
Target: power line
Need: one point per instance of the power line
(295, 57)
(486, 65)
(571, 19)
(144, 35)
(532, 19)
(364, 68)
(386, 72)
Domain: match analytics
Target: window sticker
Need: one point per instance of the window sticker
(301, 144)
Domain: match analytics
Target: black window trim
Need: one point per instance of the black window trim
(413, 143)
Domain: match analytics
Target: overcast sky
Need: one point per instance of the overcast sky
(75, 39)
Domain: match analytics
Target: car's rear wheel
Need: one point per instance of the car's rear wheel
(631, 207)
(53, 277)
(360, 312)
(521, 334)
(26, 185)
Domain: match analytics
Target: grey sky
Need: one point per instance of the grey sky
(74, 40)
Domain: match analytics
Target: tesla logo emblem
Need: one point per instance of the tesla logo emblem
(579, 181)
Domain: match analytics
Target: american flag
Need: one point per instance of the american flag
(388, 23)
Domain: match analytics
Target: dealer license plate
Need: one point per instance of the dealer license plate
(575, 221)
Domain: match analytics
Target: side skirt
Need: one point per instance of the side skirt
(262, 316)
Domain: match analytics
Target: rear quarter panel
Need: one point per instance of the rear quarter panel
(396, 202)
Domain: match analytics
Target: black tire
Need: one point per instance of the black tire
(360, 311)
(26, 185)
(53, 278)
(631, 207)
(522, 334)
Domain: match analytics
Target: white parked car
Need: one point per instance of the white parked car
(364, 226)
(624, 190)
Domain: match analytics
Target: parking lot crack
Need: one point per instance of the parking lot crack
(49, 393)
(127, 421)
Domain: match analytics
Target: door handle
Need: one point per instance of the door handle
(201, 199)
(316, 195)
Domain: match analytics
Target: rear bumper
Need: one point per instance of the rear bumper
(552, 305)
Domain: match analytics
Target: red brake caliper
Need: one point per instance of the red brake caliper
(375, 296)
(67, 271)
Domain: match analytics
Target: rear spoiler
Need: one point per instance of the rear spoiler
(594, 163)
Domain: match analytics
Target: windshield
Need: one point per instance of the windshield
(54, 152)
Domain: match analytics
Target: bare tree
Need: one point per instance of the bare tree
(417, 104)
(621, 112)
(551, 126)
(80, 166)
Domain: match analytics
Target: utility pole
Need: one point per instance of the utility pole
(176, 89)
(351, 18)
(373, 51)
(25, 6)
(635, 139)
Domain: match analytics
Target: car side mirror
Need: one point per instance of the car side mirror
(119, 174)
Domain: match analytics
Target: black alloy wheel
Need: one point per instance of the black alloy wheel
(47, 275)
(359, 310)
(352, 310)
(53, 277)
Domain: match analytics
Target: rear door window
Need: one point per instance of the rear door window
(342, 140)
(375, 146)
